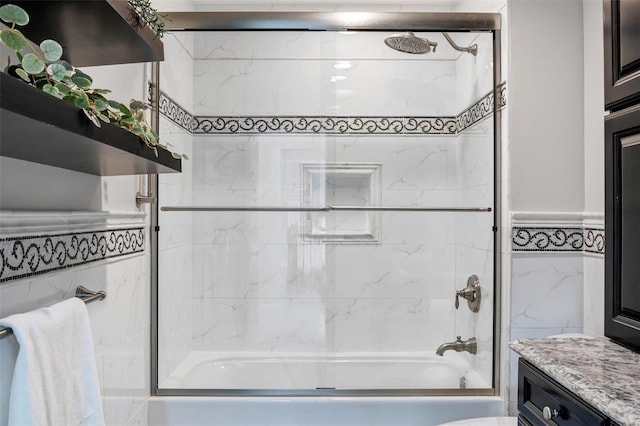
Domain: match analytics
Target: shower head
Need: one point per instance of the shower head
(409, 43)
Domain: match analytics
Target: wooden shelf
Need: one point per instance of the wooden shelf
(95, 32)
(38, 127)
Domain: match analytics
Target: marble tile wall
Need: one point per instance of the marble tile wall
(253, 273)
(333, 73)
(121, 323)
(547, 275)
(175, 249)
(475, 188)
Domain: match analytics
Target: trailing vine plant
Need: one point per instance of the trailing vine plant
(148, 15)
(45, 70)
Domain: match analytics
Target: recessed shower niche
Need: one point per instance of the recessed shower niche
(342, 185)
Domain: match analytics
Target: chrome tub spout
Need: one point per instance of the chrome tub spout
(470, 345)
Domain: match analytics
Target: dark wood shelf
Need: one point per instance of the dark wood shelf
(95, 32)
(38, 127)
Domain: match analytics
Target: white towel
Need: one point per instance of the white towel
(55, 382)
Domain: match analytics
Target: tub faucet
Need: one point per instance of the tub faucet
(469, 345)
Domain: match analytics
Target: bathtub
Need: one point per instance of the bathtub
(271, 370)
(203, 371)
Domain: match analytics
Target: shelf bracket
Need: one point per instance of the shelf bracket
(148, 196)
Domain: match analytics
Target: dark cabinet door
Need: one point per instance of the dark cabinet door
(622, 227)
(621, 53)
(538, 393)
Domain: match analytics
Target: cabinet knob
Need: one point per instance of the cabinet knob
(549, 413)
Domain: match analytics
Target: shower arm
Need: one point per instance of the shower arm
(473, 49)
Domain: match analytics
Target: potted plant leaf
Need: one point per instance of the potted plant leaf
(44, 69)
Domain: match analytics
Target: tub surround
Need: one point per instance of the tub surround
(597, 370)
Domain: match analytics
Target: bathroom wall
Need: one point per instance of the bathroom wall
(555, 143)
(61, 202)
(345, 297)
(594, 161)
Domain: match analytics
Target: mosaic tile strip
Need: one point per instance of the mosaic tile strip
(332, 125)
(175, 113)
(325, 125)
(481, 109)
(557, 239)
(34, 255)
(594, 240)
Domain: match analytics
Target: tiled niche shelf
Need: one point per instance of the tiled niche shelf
(97, 32)
(342, 184)
(38, 127)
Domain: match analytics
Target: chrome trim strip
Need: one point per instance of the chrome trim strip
(325, 392)
(326, 21)
(153, 233)
(497, 205)
(319, 209)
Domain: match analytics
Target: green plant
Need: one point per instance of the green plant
(45, 69)
(148, 15)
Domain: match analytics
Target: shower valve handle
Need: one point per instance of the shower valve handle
(468, 294)
(471, 293)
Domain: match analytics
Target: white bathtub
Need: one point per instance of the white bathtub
(202, 370)
(209, 370)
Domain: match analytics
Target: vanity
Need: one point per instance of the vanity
(577, 381)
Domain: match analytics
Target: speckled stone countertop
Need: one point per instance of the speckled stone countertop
(602, 373)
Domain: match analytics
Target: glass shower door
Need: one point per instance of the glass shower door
(337, 196)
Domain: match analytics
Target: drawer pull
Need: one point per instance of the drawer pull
(549, 413)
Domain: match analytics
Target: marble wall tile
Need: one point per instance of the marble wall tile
(329, 325)
(120, 324)
(315, 87)
(176, 72)
(474, 261)
(126, 374)
(409, 163)
(254, 272)
(310, 45)
(542, 287)
(546, 299)
(259, 325)
(175, 238)
(593, 295)
(475, 73)
(174, 304)
(476, 156)
(321, 270)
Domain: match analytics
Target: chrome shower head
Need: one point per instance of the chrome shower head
(409, 43)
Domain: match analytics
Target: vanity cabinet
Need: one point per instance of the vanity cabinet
(622, 227)
(542, 401)
(622, 53)
(622, 171)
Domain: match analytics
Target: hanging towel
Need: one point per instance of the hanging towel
(55, 382)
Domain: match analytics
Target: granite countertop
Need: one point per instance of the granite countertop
(602, 373)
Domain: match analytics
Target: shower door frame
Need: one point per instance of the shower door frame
(342, 21)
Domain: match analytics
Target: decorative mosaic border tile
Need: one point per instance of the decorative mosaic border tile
(557, 239)
(325, 125)
(25, 256)
(481, 109)
(332, 125)
(594, 240)
(175, 113)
